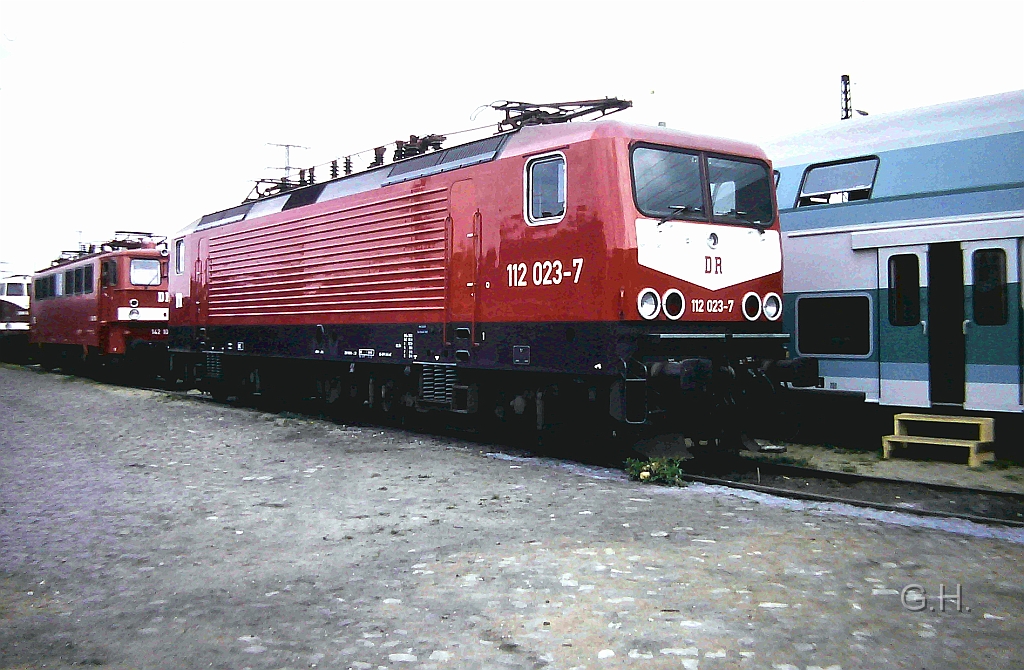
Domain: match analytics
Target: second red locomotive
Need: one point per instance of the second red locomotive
(104, 308)
(596, 269)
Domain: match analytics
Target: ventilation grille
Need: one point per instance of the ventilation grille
(214, 369)
(437, 382)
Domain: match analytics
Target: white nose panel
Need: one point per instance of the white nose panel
(708, 255)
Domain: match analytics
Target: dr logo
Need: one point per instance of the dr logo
(713, 265)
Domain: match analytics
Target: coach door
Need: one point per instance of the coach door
(200, 282)
(992, 324)
(903, 326)
(464, 251)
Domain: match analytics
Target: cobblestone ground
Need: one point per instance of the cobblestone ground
(139, 530)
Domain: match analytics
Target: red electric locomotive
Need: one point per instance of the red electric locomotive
(104, 308)
(593, 269)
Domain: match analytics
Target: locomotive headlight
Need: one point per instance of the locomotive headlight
(673, 303)
(648, 303)
(772, 306)
(133, 314)
(751, 306)
(133, 303)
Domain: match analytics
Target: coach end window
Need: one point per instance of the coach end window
(545, 189)
(837, 326)
(835, 183)
(904, 290)
(988, 294)
(179, 257)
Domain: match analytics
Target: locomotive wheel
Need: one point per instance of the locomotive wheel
(387, 397)
(47, 359)
(219, 393)
(333, 393)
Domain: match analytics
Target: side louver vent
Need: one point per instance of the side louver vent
(437, 382)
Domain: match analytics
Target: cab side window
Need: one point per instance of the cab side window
(108, 273)
(545, 189)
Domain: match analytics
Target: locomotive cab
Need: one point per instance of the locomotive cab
(707, 286)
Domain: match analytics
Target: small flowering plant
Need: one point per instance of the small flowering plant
(656, 471)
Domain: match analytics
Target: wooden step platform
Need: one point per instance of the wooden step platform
(986, 435)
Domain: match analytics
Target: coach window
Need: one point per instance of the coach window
(833, 325)
(545, 189)
(904, 290)
(988, 294)
(179, 257)
(144, 272)
(835, 183)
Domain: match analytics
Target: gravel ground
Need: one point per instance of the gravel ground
(140, 530)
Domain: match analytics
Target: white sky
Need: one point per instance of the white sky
(146, 115)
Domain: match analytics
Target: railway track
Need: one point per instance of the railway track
(891, 495)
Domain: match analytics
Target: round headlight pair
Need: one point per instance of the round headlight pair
(753, 306)
(650, 304)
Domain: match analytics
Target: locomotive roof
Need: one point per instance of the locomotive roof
(534, 139)
(964, 119)
(524, 141)
(60, 264)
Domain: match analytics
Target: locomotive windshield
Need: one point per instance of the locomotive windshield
(144, 272)
(669, 185)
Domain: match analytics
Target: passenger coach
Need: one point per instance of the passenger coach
(592, 268)
(15, 292)
(902, 236)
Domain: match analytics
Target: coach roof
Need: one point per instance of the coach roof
(964, 119)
